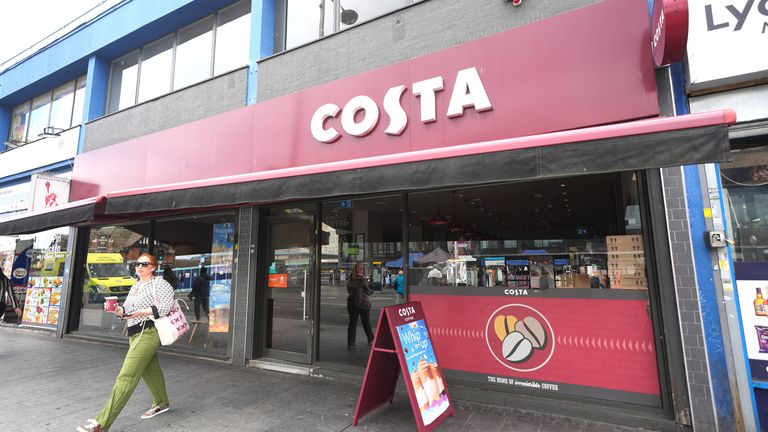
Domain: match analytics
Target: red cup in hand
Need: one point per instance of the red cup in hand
(110, 304)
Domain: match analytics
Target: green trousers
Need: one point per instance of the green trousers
(140, 362)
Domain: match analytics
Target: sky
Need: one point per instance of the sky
(22, 23)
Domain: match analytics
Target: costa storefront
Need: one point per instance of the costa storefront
(514, 180)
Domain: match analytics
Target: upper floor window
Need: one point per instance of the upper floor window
(302, 21)
(211, 46)
(60, 108)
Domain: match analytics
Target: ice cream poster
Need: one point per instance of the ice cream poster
(423, 371)
(219, 306)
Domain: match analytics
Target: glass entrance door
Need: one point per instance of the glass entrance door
(289, 281)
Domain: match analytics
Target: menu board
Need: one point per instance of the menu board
(410, 351)
(425, 376)
(42, 301)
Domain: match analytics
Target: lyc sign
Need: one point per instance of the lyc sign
(727, 43)
(468, 91)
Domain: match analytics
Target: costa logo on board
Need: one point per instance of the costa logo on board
(360, 114)
(520, 337)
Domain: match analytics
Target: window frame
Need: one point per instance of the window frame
(281, 23)
(26, 139)
(214, 17)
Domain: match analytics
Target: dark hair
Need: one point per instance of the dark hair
(152, 260)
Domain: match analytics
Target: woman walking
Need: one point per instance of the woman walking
(358, 305)
(150, 296)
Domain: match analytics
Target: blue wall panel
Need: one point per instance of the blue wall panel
(262, 42)
(5, 125)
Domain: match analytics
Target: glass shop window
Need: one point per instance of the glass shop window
(538, 235)
(157, 60)
(307, 20)
(38, 118)
(193, 53)
(232, 37)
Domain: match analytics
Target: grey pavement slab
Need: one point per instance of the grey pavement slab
(52, 384)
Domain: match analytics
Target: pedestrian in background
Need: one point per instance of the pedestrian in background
(170, 276)
(201, 292)
(358, 306)
(6, 293)
(400, 286)
(149, 296)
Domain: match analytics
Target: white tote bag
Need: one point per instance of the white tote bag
(172, 326)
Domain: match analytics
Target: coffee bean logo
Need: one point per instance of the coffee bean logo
(504, 325)
(532, 329)
(519, 337)
(522, 344)
(516, 348)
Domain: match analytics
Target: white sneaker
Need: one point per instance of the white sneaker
(155, 410)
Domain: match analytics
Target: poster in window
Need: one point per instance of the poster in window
(754, 316)
(222, 249)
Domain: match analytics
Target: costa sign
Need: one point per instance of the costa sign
(361, 114)
(669, 31)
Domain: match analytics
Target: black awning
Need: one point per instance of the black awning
(522, 161)
(63, 215)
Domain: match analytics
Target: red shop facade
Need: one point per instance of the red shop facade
(515, 184)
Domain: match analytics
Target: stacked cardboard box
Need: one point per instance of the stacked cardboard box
(626, 262)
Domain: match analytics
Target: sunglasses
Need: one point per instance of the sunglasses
(143, 264)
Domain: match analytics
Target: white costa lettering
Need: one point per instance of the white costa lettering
(406, 311)
(318, 124)
(426, 90)
(398, 119)
(468, 91)
(522, 292)
(367, 123)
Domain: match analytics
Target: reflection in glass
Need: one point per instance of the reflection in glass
(366, 233)
(19, 122)
(61, 108)
(38, 118)
(232, 37)
(79, 103)
(195, 251)
(555, 240)
(745, 184)
(196, 257)
(156, 62)
(307, 20)
(39, 262)
(367, 9)
(122, 87)
(193, 53)
(289, 279)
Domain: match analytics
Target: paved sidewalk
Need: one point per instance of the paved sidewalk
(50, 384)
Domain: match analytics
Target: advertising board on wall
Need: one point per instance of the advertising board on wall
(49, 191)
(590, 343)
(727, 42)
(14, 198)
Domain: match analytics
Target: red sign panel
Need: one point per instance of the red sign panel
(560, 73)
(279, 280)
(403, 342)
(593, 347)
(669, 31)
